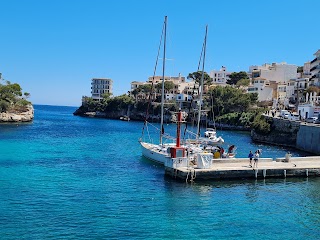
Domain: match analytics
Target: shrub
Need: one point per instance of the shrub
(261, 125)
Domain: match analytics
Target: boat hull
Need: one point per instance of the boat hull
(154, 152)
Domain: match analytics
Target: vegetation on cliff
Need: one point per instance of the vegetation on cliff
(107, 104)
(229, 105)
(224, 100)
(261, 125)
(12, 99)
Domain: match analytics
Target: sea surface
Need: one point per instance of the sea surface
(68, 177)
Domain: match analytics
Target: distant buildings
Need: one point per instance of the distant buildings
(278, 72)
(100, 86)
(181, 87)
(315, 69)
(281, 85)
(270, 82)
(220, 77)
(288, 86)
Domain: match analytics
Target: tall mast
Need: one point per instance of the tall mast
(201, 82)
(163, 68)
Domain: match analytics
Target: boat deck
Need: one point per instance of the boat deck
(240, 169)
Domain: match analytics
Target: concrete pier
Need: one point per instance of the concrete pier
(239, 169)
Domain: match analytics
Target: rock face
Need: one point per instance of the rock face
(134, 115)
(283, 132)
(26, 116)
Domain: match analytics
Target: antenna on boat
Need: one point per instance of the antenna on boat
(201, 82)
(163, 75)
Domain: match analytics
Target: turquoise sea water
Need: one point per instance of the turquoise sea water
(67, 177)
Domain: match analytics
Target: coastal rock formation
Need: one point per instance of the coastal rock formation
(134, 115)
(14, 116)
(283, 132)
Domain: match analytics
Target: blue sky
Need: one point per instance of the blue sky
(54, 48)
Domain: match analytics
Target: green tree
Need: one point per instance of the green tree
(228, 99)
(106, 96)
(243, 82)
(237, 76)
(10, 95)
(145, 88)
(261, 125)
(26, 95)
(135, 92)
(196, 76)
(168, 86)
(119, 103)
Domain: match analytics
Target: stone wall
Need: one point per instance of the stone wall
(26, 116)
(308, 138)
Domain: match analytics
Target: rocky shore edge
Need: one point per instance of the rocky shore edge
(14, 116)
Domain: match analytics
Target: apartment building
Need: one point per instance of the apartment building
(100, 86)
(278, 72)
(175, 80)
(179, 82)
(315, 69)
(220, 77)
(262, 88)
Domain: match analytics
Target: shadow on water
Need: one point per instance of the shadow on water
(233, 183)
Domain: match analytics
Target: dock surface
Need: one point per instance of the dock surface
(239, 168)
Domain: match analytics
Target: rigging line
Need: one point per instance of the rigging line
(202, 76)
(152, 84)
(203, 46)
(163, 78)
(192, 96)
(194, 86)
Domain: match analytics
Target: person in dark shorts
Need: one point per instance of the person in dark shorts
(250, 156)
(255, 159)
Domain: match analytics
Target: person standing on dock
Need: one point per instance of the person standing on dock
(250, 156)
(255, 159)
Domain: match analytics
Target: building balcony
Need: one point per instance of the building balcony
(314, 68)
(314, 60)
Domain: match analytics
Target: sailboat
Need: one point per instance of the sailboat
(165, 153)
(158, 152)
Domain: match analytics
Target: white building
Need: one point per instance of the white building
(296, 87)
(306, 70)
(315, 69)
(100, 86)
(262, 88)
(308, 110)
(136, 84)
(278, 72)
(220, 77)
(181, 86)
(175, 80)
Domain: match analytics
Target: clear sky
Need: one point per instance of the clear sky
(53, 48)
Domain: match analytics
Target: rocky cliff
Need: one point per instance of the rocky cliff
(283, 132)
(15, 116)
(134, 115)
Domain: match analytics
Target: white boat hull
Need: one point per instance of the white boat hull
(154, 152)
